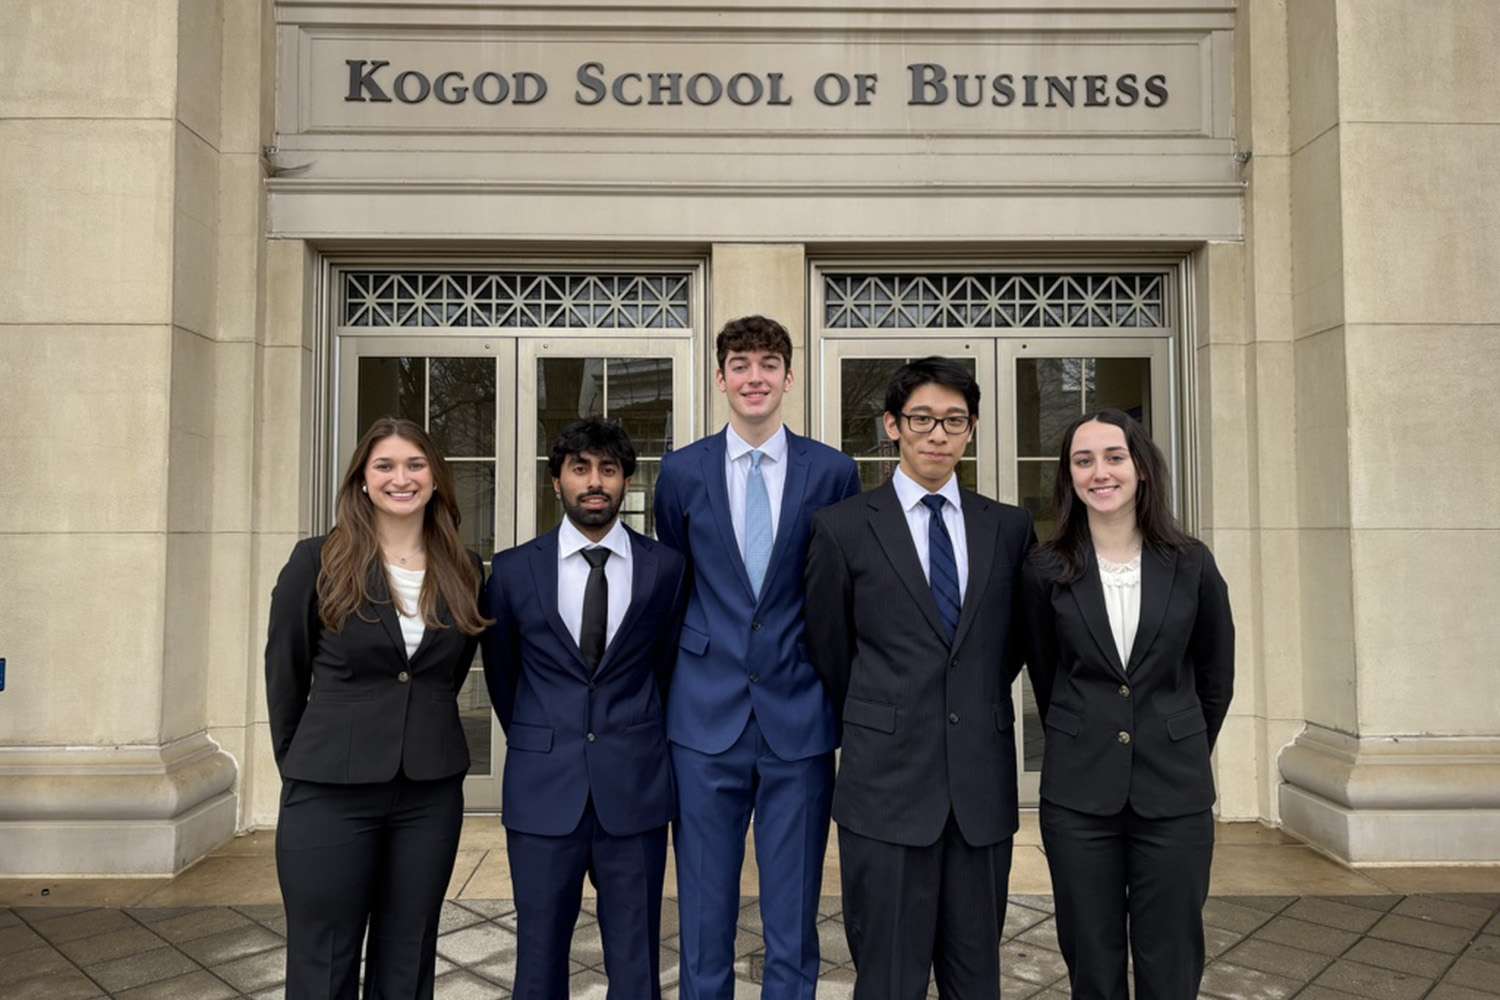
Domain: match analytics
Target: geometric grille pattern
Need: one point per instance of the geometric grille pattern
(530, 300)
(993, 300)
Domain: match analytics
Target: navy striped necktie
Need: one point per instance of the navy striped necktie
(942, 567)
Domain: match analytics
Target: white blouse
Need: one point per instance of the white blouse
(1122, 600)
(407, 584)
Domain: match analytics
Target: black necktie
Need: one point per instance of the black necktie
(595, 628)
(942, 567)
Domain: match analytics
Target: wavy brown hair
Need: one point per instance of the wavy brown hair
(1068, 551)
(351, 556)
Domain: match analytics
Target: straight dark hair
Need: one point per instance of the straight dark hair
(1067, 554)
(595, 434)
(351, 556)
(932, 370)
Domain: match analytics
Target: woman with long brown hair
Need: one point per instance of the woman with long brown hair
(1132, 661)
(373, 629)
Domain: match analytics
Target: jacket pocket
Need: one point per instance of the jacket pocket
(1063, 721)
(341, 697)
(870, 714)
(1185, 724)
(523, 737)
(693, 641)
(652, 723)
(1005, 716)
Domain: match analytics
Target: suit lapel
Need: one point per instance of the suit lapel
(793, 487)
(1158, 572)
(644, 562)
(385, 609)
(1089, 593)
(543, 553)
(980, 535)
(888, 521)
(718, 501)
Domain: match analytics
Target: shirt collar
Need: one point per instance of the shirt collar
(571, 541)
(910, 492)
(773, 450)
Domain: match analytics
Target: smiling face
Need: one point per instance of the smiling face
(1104, 474)
(930, 458)
(591, 486)
(753, 382)
(398, 478)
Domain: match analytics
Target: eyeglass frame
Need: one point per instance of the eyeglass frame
(968, 419)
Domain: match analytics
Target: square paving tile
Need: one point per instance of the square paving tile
(1474, 974)
(465, 986)
(1230, 916)
(1401, 957)
(254, 972)
(68, 985)
(1278, 959)
(1332, 913)
(1444, 911)
(1020, 918)
(1217, 940)
(1324, 993)
(1233, 982)
(484, 942)
(200, 985)
(1043, 935)
(1372, 983)
(1035, 965)
(19, 937)
(31, 963)
(85, 924)
(193, 924)
(1485, 947)
(1309, 937)
(1381, 903)
(1448, 991)
(1422, 933)
(116, 944)
(138, 970)
(226, 946)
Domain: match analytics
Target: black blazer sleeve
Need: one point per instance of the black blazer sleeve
(1040, 631)
(1212, 647)
(829, 613)
(292, 642)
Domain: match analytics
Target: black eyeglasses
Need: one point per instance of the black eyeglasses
(923, 423)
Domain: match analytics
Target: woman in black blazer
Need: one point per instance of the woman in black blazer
(1131, 650)
(373, 630)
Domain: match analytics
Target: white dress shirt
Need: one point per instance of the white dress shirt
(737, 470)
(573, 575)
(918, 519)
(407, 585)
(1122, 602)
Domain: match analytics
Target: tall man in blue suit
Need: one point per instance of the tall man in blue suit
(578, 664)
(751, 728)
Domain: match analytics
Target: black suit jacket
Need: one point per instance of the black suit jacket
(927, 724)
(1139, 736)
(350, 707)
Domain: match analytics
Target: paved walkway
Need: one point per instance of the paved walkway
(217, 931)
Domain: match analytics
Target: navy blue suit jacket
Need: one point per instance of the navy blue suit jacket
(737, 652)
(569, 734)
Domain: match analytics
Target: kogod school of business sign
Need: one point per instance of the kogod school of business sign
(1000, 86)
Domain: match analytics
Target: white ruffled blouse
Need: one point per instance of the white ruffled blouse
(1122, 601)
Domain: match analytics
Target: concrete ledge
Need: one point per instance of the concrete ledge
(1393, 800)
(114, 810)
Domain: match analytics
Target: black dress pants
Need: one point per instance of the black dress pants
(915, 912)
(1129, 877)
(352, 857)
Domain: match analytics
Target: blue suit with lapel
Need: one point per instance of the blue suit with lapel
(751, 726)
(588, 780)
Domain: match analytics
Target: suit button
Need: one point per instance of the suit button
(403, 677)
(591, 737)
(755, 678)
(593, 686)
(1124, 737)
(755, 627)
(953, 663)
(953, 717)
(1124, 690)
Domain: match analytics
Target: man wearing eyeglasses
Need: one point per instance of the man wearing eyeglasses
(912, 627)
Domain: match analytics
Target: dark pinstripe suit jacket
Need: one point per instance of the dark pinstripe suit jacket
(927, 725)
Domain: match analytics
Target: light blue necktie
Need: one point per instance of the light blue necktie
(758, 536)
